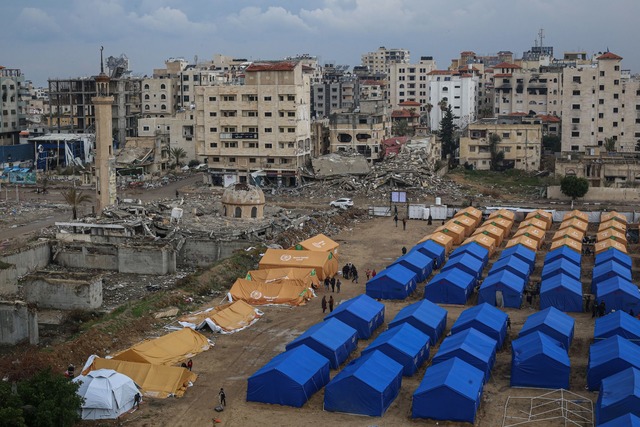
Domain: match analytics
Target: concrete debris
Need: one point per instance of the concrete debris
(170, 312)
(336, 164)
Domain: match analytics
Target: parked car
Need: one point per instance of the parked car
(343, 203)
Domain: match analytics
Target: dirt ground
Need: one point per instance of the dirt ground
(369, 244)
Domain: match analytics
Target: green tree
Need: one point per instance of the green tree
(50, 400)
(447, 133)
(10, 407)
(177, 154)
(497, 156)
(574, 187)
(428, 107)
(610, 144)
(400, 128)
(552, 142)
(75, 198)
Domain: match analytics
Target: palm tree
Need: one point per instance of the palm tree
(75, 198)
(429, 107)
(177, 154)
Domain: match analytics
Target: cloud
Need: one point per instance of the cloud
(168, 20)
(36, 25)
(272, 19)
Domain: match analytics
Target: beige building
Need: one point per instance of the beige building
(176, 131)
(602, 169)
(261, 127)
(380, 60)
(410, 82)
(12, 105)
(360, 131)
(521, 144)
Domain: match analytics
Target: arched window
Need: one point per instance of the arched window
(146, 97)
(254, 212)
(146, 87)
(225, 211)
(163, 107)
(163, 86)
(238, 212)
(146, 107)
(163, 96)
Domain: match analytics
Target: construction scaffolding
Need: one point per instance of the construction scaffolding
(557, 407)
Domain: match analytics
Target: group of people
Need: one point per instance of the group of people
(324, 304)
(349, 271)
(370, 273)
(598, 309)
(333, 283)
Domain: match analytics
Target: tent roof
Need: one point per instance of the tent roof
(483, 313)
(169, 349)
(320, 243)
(576, 214)
(474, 249)
(424, 310)
(464, 259)
(610, 244)
(610, 268)
(442, 239)
(551, 317)
(568, 242)
(375, 369)
(512, 264)
(525, 241)
(269, 275)
(616, 225)
(522, 252)
(615, 284)
(472, 342)
(288, 292)
(431, 247)
(576, 223)
(503, 213)
(532, 232)
(614, 347)
(470, 211)
(294, 258)
(503, 223)
(454, 277)
(561, 280)
(496, 233)
(535, 223)
(455, 374)
(405, 338)
(414, 258)
(563, 252)
(106, 389)
(506, 278)
(486, 241)
(612, 233)
(530, 345)
(614, 254)
(569, 232)
(361, 306)
(561, 265)
(300, 364)
(331, 333)
(617, 323)
(397, 272)
(545, 216)
(626, 420)
(613, 215)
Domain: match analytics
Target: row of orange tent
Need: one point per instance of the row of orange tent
(457, 229)
(531, 232)
(612, 232)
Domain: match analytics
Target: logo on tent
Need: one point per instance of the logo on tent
(285, 257)
(256, 294)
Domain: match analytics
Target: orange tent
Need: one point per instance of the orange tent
(496, 233)
(169, 349)
(576, 214)
(567, 241)
(608, 216)
(575, 223)
(441, 239)
(484, 240)
(225, 318)
(472, 212)
(468, 223)
(503, 223)
(525, 241)
(503, 213)
(304, 276)
(610, 244)
(532, 232)
(612, 234)
(454, 230)
(569, 232)
(545, 216)
(534, 222)
(319, 243)
(260, 293)
(616, 225)
(325, 264)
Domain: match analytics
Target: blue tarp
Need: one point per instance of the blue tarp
(614, 255)
(432, 250)
(618, 294)
(404, 344)
(522, 252)
(607, 270)
(506, 282)
(626, 420)
(332, 339)
(417, 262)
(619, 396)
(560, 265)
(608, 357)
(617, 323)
(563, 252)
(538, 360)
(486, 319)
(449, 391)
(470, 345)
(562, 292)
(425, 316)
(394, 282)
(450, 287)
(512, 264)
(474, 249)
(552, 322)
(290, 378)
(366, 386)
(362, 313)
(467, 263)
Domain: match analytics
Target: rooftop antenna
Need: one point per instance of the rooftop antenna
(101, 61)
(541, 35)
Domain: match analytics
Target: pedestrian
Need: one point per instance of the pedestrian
(177, 194)
(529, 298)
(354, 273)
(602, 309)
(333, 284)
(594, 309)
(330, 303)
(326, 283)
(395, 218)
(587, 307)
(223, 397)
(395, 209)
(345, 271)
(70, 371)
(324, 304)
(429, 220)
(368, 273)
(508, 323)
(338, 284)
(373, 273)
(136, 400)
(404, 251)
(404, 223)
(190, 364)
(435, 264)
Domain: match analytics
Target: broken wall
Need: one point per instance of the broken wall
(147, 260)
(203, 252)
(63, 290)
(8, 279)
(97, 257)
(31, 258)
(17, 323)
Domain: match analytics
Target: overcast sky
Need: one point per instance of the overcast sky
(62, 38)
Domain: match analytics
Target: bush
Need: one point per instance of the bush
(193, 163)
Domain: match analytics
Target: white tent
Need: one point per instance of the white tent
(107, 394)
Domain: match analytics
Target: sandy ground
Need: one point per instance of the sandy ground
(370, 244)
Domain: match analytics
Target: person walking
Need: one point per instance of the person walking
(508, 323)
(404, 223)
(331, 304)
(136, 400)
(324, 304)
(354, 273)
(373, 273)
(190, 364)
(338, 284)
(333, 284)
(223, 397)
(395, 218)
(326, 283)
(594, 309)
(177, 194)
(404, 250)
(368, 273)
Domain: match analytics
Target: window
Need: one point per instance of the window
(163, 96)
(472, 148)
(267, 98)
(229, 113)
(185, 78)
(600, 129)
(615, 96)
(228, 98)
(291, 114)
(267, 114)
(146, 97)
(163, 86)
(216, 159)
(231, 144)
(575, 106)
(250, 98)
(145, 128)
(575, 147)
(601, 101)
(250, 113)
(576, 93)
(291, 130)
(505, 135)
(268, 145)
(575, 120)
(232, 160)
(615, 124)
(615, 110)
(616, 82)
(268, 130)
(250, 144)
(212, 98)
(575, 134)
(271, 161)
(576, 79)
(601, 73)
(145, 86)
(213, 129)
(601, 115)
(213, 145)
(163, 107)
(213, 114)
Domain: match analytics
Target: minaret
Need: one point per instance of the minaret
(105, 176)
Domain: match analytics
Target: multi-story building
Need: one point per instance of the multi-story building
(337, 90)
(12, 105)
(521, 144)
(260, 127)
(409, 82)
(359, 131)
(379, 61)
(601, 168)
(458, 89)
(177, 131)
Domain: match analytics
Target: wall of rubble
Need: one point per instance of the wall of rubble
(8, 280)
(17, 323)
(97, 257)
(63, 290)
(30, 258)
(203, 252)
(147, 260)
(596, 194)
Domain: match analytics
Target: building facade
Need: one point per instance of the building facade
(379, 61)
(410, 82)
(360, 131)
(12, 105)
(456, 89)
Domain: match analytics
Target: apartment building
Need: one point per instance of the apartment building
(458, 89)
(359, 131)
(177, 131)
(336, 90)
(380, 60)
(521, 144)
(410, 82)
(260, 127)
(601, 168)
(12, 105)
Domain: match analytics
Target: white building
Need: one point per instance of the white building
(457, 89)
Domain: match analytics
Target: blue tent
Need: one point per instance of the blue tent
(366, 386)
(432, 250)
(510, 284)
(332, 339)
(616, 255)
(607, 270)
(472, 346)
(425, 316)
(552, 322)
(618, 323)
(394, 282)
(290, 378)
(610, 356)
(560, 265)
(417, 262)
(626, 420)
(522, 252)
(449, 391)
(619, 396)
(486, 319)
(474, 249)
(362, 313)
(563, 252)
(619, 294)
(513, 265)
(562, 292)
(450, 287)
(467, 263)
(538, 360)
(404, 344)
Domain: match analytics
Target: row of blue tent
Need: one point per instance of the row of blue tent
(455, 282)
(611, 281)
(509, 275)
(560, 285)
